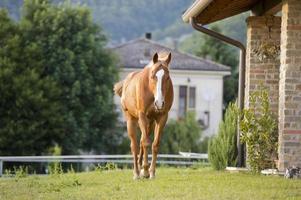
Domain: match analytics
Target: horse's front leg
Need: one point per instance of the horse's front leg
(160, 123)
(144, 127)
(131, 128)
(140, 157)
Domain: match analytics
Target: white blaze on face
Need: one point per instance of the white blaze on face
(158, 96)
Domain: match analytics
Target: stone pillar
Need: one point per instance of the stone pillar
(262, 72)
(290, 86)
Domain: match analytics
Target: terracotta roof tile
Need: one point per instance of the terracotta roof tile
(137, 53)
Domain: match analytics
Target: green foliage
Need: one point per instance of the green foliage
(56, 150)
(207, 47)
(135, 17)
(20, 172)
(17, 172)
(259, 132)
(222, 151)
(61, 181)
(218, 51)
(30, 111)
(183, 135)
(56, 82)
(174, 30)
(55, 168)
(129, 19)
(210, 48)
(223, 53)
(13, 6)
(204, 144)
(106, 167)
(161, 17)
(84, 70)
(199, 165)
(234, 27)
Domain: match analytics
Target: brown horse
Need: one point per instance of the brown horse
(146, 98)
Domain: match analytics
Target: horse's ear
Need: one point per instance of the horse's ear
(168, 58)
(155, 58)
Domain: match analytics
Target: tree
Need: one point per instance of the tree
(183, 135)
(30, 112)
(65, 49)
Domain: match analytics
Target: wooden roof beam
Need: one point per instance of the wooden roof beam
(266, 7)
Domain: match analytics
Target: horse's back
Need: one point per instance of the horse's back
(130, 81)
(128, 99)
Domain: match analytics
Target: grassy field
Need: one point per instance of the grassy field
(170, 183)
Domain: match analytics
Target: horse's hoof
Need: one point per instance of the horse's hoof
(136, 177)
(152, 175)
(144, 173)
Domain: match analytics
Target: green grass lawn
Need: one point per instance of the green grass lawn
(170, 183)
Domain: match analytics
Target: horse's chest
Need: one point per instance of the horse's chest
(153, 113)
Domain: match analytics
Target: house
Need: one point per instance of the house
(273, 57)
(198, 83)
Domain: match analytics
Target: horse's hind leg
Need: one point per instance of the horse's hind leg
(131, 128)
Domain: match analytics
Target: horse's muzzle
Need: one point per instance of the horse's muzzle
(159, 104)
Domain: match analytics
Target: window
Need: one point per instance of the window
(191, 98)
(187, 99)
(182, 101)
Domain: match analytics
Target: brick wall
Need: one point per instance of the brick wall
(290, 86)
(262, 72)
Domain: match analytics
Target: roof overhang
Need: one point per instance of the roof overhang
(208, 11)
(195, 9)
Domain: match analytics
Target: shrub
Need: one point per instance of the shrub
(259, 132)
(181, 135)
(204, 144)
(55, 168)
(222, 149)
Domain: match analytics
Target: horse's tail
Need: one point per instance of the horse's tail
(118, 88)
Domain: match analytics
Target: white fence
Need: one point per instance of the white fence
(169, 159)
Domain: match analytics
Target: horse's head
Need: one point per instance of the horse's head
(159, 79)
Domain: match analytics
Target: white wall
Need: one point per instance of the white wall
(209, 94)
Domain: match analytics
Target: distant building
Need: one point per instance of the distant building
(198, 83)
